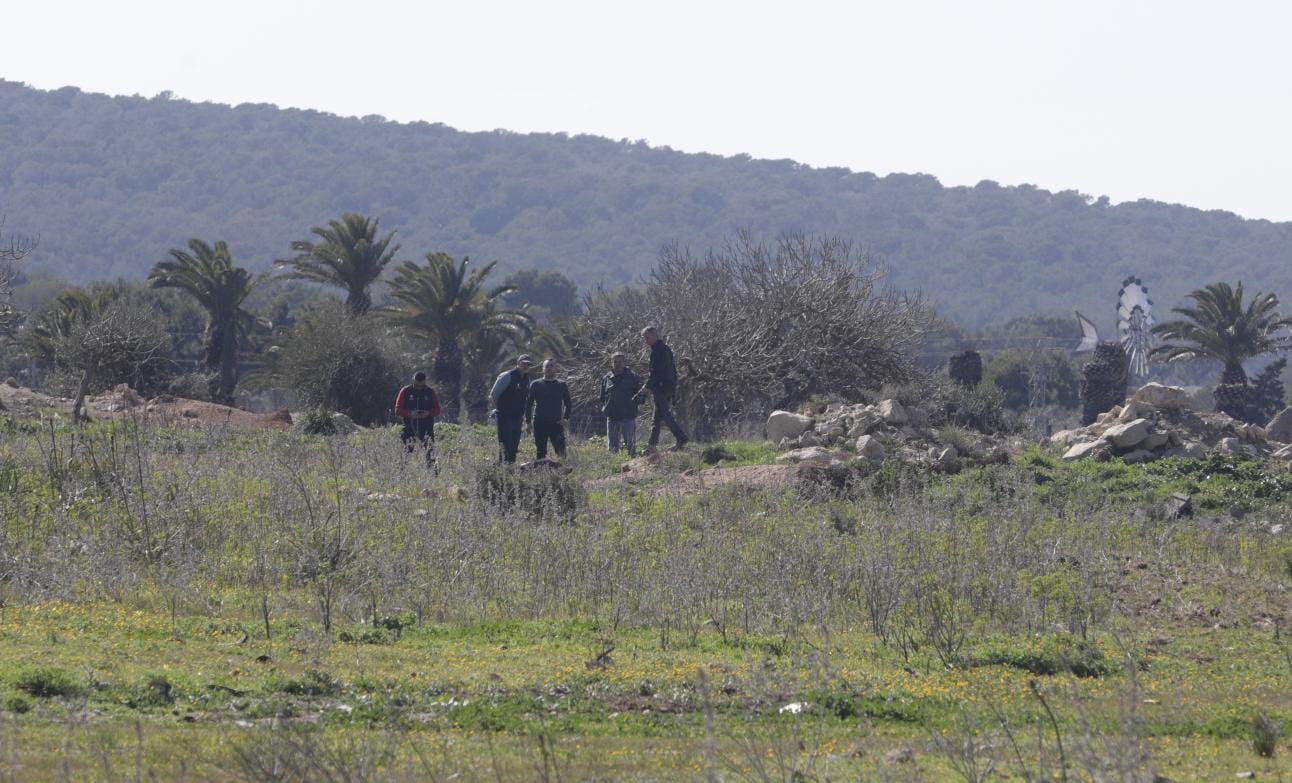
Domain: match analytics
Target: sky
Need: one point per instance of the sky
(1185, 102)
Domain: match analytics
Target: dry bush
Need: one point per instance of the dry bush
(756, 326)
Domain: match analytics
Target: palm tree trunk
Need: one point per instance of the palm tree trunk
(1234, 373)
(358, 301)
(476, 393)
(447, 371)
(222, 359)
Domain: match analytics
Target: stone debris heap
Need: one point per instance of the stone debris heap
(866, 435)
(1169, 421)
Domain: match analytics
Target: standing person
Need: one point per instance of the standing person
(509, 395)
(418, 405)
(619, 390)
(662, 384)
(548, 408)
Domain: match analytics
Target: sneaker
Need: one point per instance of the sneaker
(649, 450)
(681, 444)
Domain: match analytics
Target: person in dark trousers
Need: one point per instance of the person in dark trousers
(509, 395)
(418, 405)
(548, 409)
(619, 390)
(662, 385)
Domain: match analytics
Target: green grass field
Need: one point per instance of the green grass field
(218, 605)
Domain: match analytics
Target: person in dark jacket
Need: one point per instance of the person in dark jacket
(662, 385)
(548, 409)
(619, 390)
(418, 405)
(509, 395)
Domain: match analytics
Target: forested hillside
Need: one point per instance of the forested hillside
(109, 184)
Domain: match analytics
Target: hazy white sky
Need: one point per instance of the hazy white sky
(1180, 101)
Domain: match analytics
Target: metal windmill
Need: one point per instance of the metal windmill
(1135, 323)
(1134, 326)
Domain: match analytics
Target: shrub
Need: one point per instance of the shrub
(1265, 735)
(1053, 655)
(47, 683)
(317, 422)
(337, 361)
(542, 491)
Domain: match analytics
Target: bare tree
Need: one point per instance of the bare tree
(757, 326)
(114, 344)
(12, 250)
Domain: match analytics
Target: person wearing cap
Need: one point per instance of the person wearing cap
(619, 390)
(662, 385)
(509, 395)
(418, 405)
(548, 410)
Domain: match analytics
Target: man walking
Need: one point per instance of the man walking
(662, 384)
(509, 395)
(619, 390)
(418, 405)
(548, 409)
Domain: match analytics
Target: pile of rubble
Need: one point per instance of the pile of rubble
(1168, 421)
(870, 434)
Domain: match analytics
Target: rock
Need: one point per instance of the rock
(1095, 449)
(811, 454)
(900, 756)
(1256, 433)
(1165, 397)
(1230, 445)
(783, 424)
(1284, 453)
(1136, 456)
(1194, 450)
(1155, 441)
(786, 444)
(1136, 409)
(893, 412)
(865, 423)
(344, 424)
(836, 433)
(1280, 427)
(1130, 434)
(809, 439)
(1066, 437)
(869, 447)
(1177, 506)
(948, 459)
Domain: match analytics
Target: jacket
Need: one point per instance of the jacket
(663, 372)
(411, 399)
(547, 398)
(617, 393)
(510, 393)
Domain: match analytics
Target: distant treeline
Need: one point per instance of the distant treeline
(106, 181)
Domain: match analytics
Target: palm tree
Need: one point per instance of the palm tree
(349, 256)
(1218, 327)
(207, 273)
(450, 306)
(491, 350)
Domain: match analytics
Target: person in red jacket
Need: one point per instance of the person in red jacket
(418, 405)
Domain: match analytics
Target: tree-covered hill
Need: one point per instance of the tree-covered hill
(110, 183)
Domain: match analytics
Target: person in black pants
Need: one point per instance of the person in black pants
(509, 395)
(662, 384)
(418, 405)
(548, 409)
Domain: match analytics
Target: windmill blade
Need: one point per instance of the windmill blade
(1132, 294)
(1089, 335)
